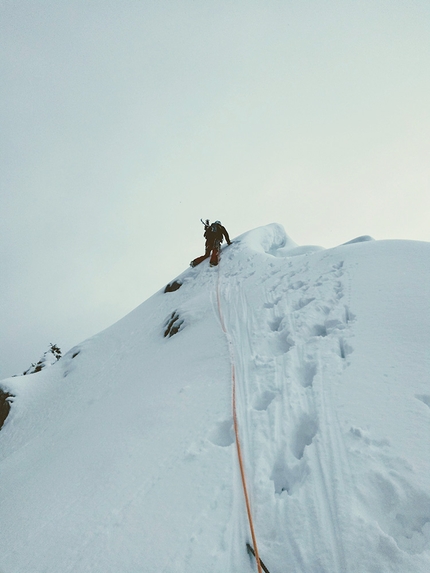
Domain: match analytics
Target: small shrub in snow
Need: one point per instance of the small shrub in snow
(49, 357)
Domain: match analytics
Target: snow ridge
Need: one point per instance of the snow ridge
(121, 456)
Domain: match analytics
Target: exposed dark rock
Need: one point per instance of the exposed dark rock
(171, 287)
(5, 399)
(173, 324)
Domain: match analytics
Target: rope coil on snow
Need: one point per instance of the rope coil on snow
(236, 429)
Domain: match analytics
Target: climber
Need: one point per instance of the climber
(214, 234)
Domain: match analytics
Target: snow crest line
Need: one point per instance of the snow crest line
(236, 426)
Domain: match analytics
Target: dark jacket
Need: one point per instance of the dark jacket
(216, 232)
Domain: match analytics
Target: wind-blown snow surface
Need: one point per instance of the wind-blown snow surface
(121, 458)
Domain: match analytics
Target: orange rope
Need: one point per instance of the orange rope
(236, 431)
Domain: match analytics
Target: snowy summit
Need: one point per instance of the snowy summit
(121, 457)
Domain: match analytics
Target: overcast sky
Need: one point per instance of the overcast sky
(125, 121)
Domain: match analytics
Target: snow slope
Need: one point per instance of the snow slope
(121, 456)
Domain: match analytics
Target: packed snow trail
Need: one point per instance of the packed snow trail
(237, 432)
(121, 456)
(269, 344)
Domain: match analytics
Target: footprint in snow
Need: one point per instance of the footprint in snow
(305, 433)
(348, 316)
(263, 401)
(306, 373)
(275, 324)
(222, 434)
(338, 269)
(319, 330)
(282, 343)
(338, 289)
(344, 348)
(288, 479)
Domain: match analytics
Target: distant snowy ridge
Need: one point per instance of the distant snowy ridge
(121, 456)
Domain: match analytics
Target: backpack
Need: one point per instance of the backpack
(214, 231)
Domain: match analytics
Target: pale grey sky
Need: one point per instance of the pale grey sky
(125, 121)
